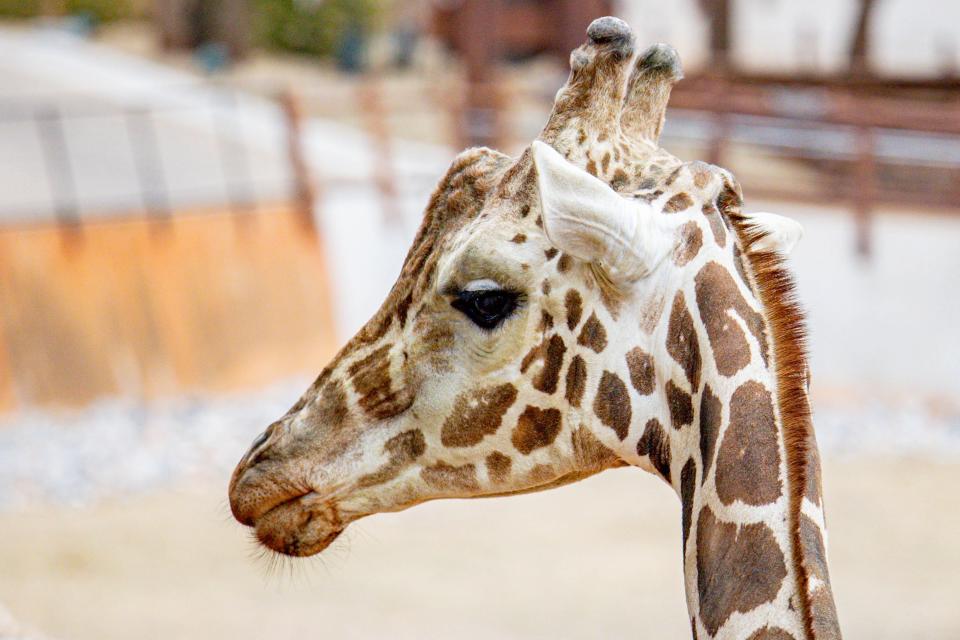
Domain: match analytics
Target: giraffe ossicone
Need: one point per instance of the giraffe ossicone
(590, 304)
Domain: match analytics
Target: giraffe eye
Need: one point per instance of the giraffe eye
(486, 308)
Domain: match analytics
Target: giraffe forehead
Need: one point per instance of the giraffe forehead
(499, 250)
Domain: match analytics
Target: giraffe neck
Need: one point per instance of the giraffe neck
(753, 523)
(739, 555)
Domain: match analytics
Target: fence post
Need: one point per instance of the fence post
(305, 192)
(145, 149)
(232, 150)
(7, 390)
(56, 161)
(719, 123)
(480, 120)
(371, 105)
(864, 196)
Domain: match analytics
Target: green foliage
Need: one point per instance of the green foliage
(315, 27)
(19, 8)
(99, 10)
(102, 10)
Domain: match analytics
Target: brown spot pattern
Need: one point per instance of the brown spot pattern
(710, 419)
(447, 477)
(535, 353)
(520, 238)
(574, 306)
(477, 414)
(374, 330)
(824, 614)
(691, 240)
(402, 449)
(717, 294)
(738, 568)
(576, 381)
(593, 335)
(739, 262)
(551, 253)
(371, 379)
(548, 377)
(748, 463)
(535, 428)
(546, 321)
(682, 342)
(404, 308)
(823, 610)
(814, 552)
(540, 473)
(814, 488)
(649, 197)
(498, 467)
(564, 263)
(642, 373)
(716, 224)
(612, 404)
(673, 176)
(656, 444)
(619, 180)
(688, 483)
(701, 175)
(680, 405)
(678, 202)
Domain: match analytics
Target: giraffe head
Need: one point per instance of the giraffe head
(530, 340)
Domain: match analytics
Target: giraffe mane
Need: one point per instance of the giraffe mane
(776, 288)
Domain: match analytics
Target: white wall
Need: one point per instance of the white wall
(910, 37)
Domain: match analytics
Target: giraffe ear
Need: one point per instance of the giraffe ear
(585, 218)
(777, 233)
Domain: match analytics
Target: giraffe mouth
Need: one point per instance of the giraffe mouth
(302, 526)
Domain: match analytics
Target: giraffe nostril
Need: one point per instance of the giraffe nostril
(259, 443)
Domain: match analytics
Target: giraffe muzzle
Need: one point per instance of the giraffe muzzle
(300, 527)
(290, 519)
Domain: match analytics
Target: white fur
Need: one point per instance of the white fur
(780, 233)
(482, 285)
(584, 217)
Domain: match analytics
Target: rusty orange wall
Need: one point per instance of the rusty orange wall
(210, 301)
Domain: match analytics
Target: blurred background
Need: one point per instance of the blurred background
(201, 199)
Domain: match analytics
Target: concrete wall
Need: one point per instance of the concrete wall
(211, 301)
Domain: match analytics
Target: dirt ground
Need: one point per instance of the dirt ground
(598, 559)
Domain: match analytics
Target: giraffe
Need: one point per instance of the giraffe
(593, 303)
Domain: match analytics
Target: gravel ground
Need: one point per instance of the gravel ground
(116, 447)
